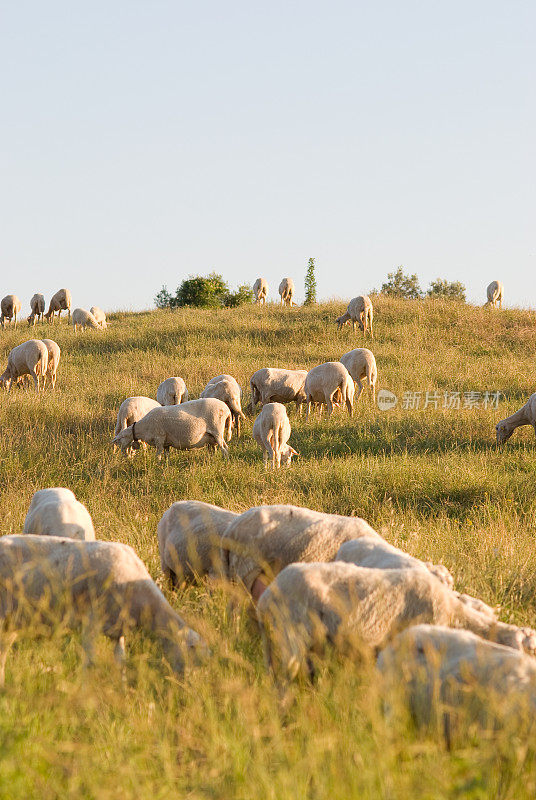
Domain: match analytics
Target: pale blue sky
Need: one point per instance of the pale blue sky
(145, 141)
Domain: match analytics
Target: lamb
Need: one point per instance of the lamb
(228, 391)
(286, 290)
(525, 416)
(273, 385)
(495, 294)
(172, 392)
(189, 535)
(359, 310)
(100, 316)
(260, 290)
(310, 605)
(132, 410)
(9, 307)
(98, 587)
(54, 355)
(57, 512)
(271, 431)
(28, 358)
(37, 305)
(322, 383)
(61, 301)
(185, 427)
(361, 363)
(84, 319)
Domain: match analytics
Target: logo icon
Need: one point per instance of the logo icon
(386, 400)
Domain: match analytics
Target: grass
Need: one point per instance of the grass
(432, 481)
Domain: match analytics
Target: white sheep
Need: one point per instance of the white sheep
(37, 305)
(10, 306)
(361, 363)
(54, 355)
(274, 385)
(495, 294)
(286, 290)
(310, 605)
(260, 290)
(28, 358)
(228, 391)
(172, 392)
(322, 383)
(525, 416)
(49, 582)
(132, 410)
(191, 425)
(61, 301)
(359, 310)
(189, 535)
(271, 431)
(57, 512)
(100, 316)
(84, 319)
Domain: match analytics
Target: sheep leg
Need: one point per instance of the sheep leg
(222, 445)
(329, 403)
(6, 640)
(88, 643)
(119, 655)
(360, 389)
(35, 379)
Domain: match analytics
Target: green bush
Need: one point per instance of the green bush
(210, 291)
(401, 285)
(244, 294)
(450, 290)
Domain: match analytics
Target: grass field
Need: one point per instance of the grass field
(431, 480)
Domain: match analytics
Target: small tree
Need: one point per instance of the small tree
(310, 283)
(401, 285)
(209, 291)
(446, 289)
(164, 299)
(244, 294)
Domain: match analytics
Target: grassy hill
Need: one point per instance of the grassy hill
(430, 479)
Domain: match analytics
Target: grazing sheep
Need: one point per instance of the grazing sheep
(310, 605)
(54, 355)
(525, 416)
(172, 392)
(188, 426)
(9, 307)
(260, 290)
(49, 582)
(57, 512)
(28, 358)
(132, 410)
(84, 319)
(271, 431)
(361, 363)
(37, 305)
(61, 301)
(495, 294)
(228, 391)
(322, 383)
(273, 385)
(189, 535)
(286, 290)
(100, 316)
(455, 676)
(359, 310)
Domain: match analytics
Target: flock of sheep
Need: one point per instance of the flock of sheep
(10, 306)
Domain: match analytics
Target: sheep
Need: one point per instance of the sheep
(310, 605)
(495, 294)
(322, 383)
(49, 582)
(28, 358)
(172, 392)
(37, 305)
(361, 363)
(286, 290)
(263, 540)
(185, 427)
(260, 290)
(525, 416)
(228, 391)
(100, 316)
(61, 301)
(189, 534)
(84, 319)
(442, 674)
(10, 306)
(132, 410)
(271, 431)
(54, 355)
(359, 310)
(273, 385)
(57, 512)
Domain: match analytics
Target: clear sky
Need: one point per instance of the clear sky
(146, 141)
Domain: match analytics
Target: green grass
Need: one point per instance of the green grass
(432, 482)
